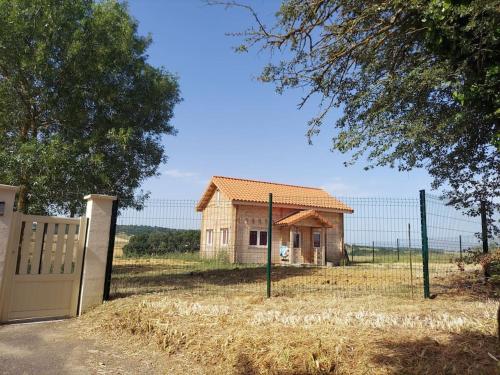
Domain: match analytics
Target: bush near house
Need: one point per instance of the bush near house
(159, 242)
(490, 263)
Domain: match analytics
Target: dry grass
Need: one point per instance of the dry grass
(311, 333)
(121, 239)
(187, 272)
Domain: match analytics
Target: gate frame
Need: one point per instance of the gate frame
(98, 215)
(7, 197)
(111, 250)
(12, 254)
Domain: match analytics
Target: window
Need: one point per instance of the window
(258, 238)
(253, 238)
(209, 237)
(316, 239)
(296, 240)
(224, 236)
(263, 238)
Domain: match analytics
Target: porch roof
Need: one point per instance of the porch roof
(299, 216)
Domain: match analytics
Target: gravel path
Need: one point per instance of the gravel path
(54, 348)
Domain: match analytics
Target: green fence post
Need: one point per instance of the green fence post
(373, 251)
(460, 245)
(425, 244)
(397, 246)
(411, 261)
(269, 244)
(484, 235)
(484, 227)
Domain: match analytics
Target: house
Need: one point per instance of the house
(308, 223)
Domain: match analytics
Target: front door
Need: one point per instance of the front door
(306, 245)
(316, 244)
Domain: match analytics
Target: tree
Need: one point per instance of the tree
(162, 241)
(81, 110)
(418, 82)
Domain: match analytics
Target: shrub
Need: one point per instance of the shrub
(222, 257)
(156, 242)
(490, 263)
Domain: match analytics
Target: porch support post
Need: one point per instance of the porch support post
(292, 253)
(316, 255)
(323, 246)
(281, 243)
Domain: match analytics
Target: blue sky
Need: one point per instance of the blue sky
(230, 124)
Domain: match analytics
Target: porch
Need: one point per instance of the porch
(302, 237)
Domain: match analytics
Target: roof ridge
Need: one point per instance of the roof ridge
(301, 215)
(270, 183)
(291, 214)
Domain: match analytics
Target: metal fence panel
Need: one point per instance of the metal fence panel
(171, 247)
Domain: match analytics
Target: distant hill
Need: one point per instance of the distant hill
(132, 230)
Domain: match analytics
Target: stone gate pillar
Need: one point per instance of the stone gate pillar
(99, 209)
(7, 198)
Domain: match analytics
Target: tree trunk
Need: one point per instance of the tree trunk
(22, 201)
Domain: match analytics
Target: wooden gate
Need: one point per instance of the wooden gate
(43, 268)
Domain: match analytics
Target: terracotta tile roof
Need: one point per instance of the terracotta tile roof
(302, 215)
(237, 189)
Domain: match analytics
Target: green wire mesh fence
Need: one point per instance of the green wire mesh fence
(168, 246)
(452, 237)
(376, 249)
(222, 249)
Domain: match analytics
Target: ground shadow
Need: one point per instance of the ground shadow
(157, 276)
(146, 278)
(244, 365)
(469, 285)
(462, 353)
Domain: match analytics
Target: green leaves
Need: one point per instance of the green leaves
(459, 97)
(81, 111)
(151, 241)
(418, 82)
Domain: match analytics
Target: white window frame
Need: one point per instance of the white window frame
(209, 239)
(258, 237)
(222, 230)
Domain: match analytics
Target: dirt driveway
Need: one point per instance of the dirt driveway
(55, 348)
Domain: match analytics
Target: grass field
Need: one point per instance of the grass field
(121, 239)
(189, 272)
(201, 332)
(211, 317)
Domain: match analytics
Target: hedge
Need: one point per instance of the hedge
(166, 241)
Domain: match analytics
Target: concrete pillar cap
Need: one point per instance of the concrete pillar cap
(100, 196)
(9, 187)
